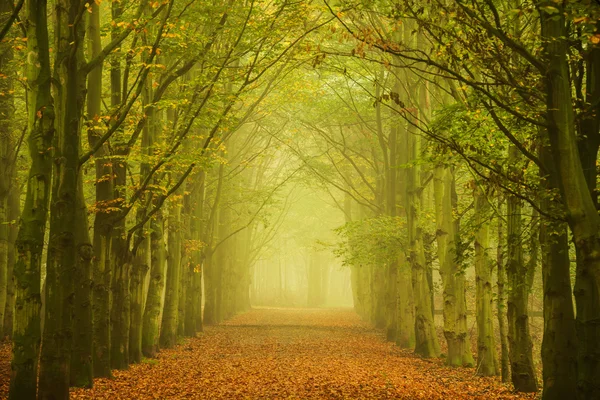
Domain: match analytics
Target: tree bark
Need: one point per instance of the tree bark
(453, 279)
(151, 319)
(519, 337)
(582, 215)
(487, 363)
(65, 249)
(168, 334)
(101, 274)
(14, 212)
(32, 224)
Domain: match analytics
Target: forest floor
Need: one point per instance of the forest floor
(271, 353)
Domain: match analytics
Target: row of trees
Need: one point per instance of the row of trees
(105, 242)
(450, 134)
(471, 141)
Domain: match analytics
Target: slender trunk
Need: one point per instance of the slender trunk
(453, 279)
(14, 210)
(391, 299)
(405, 336)
(139, 269)
(504, 360)
(120, 314)
(190, 305)
(120, 259)
(197, 288)
(7, 161)
(168, 334)
(519, 337)
(151, 318)
(4, 227)
(405, 295)
(32, 225)
(425, 336)
(104, 194)
(314, 281)
(487, 363)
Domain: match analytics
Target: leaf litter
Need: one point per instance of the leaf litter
(271, 353)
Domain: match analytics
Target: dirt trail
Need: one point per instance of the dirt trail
(292, 354)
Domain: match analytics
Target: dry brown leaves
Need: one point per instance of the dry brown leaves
(292, 354)
(5, 356)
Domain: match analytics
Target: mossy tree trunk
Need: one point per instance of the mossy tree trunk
(7, 161)
(559, 344)
(519, 338)
(487, 360)
(581, 212)
(104, 195)
(67, 251)
(168, 333)
(453, 278)
(32, 224)
(14, 212)
(501, 302)
(426, 343)
(139, 269)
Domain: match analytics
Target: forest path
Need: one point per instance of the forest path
(271, 353)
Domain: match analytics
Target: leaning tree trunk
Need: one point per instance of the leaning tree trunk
(32, 224)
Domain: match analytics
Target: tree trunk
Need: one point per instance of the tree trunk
(120, 314)
(519, 338)
(559, 345)
(151, 319)
(65, 249)
(405, 336)
(139, 269)
(7, 161)
(425, 336)
(581, 212)
(487, 363)
(14, 210)
(82, 374)
(104, 195)
(32, 225)
(501, 306)
(453, 279)
(168, 334)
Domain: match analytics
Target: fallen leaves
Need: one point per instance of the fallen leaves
(292, 354)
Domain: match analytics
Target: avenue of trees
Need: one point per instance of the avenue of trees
(156, 155)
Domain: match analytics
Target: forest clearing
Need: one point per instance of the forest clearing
(280, 353)
(304, 198)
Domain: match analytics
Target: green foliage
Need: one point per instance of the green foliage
(379, 240)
